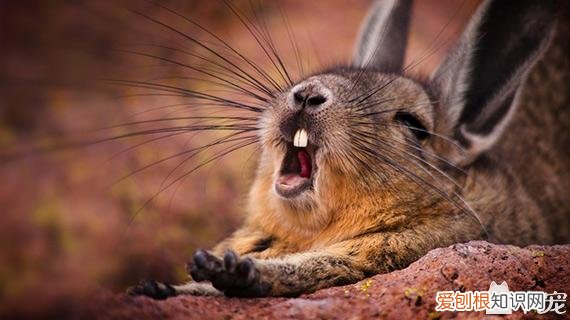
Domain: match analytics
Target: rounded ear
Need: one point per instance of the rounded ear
(478, 83)
(383, 36)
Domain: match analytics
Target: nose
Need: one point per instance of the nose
(309, 96)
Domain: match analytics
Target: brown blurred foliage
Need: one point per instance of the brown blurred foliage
(69, 222)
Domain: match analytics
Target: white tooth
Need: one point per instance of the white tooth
(300, 139)
(296, 138)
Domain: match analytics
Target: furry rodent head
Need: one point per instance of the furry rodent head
(371, 138)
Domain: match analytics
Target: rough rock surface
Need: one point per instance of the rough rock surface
(403, 294)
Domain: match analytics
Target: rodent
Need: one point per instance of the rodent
(364, 168)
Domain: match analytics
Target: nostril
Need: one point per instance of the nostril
(316, 100)
(299, 98)
(309, 96)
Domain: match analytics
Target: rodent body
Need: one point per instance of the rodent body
(391, 167)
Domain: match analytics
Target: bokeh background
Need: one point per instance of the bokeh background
(80, 217)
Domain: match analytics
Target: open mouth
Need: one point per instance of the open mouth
(298, 167)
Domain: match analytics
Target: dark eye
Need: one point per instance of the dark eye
(412, 123)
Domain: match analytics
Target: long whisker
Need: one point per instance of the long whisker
(428, 153)
(248, 61)
(200, 44)
(222, 69)
(273, 56)
(461, 204)
(200, 70)
(292, 41)
(433, 48)
(182, 118)
(186, 92)
(219, 142)
(180, 178)
(406, 152)
(193, 151)
(399, 108)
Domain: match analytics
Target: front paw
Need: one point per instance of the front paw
(153, 289)
(236, 277)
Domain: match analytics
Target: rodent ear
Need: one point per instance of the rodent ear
(479, 82)
(383, 36)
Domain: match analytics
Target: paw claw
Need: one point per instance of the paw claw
(230, 261)
(196, 274)
(201, 259)
(250, 270)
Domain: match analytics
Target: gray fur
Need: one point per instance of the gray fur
(383, 36)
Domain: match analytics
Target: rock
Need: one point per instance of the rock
(404, 294)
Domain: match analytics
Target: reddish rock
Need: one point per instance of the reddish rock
(403, 294)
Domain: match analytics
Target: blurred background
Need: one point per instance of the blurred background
(78, 215)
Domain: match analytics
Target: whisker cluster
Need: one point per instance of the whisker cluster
(240, 89)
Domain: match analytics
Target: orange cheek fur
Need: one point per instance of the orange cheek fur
(333, 213)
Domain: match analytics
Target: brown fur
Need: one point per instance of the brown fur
(351, 225)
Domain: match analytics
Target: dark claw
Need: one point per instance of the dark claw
(251, 271)
(196, 274)
(200, 259)
(246, 272)
(230, 261)
(152, 289)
